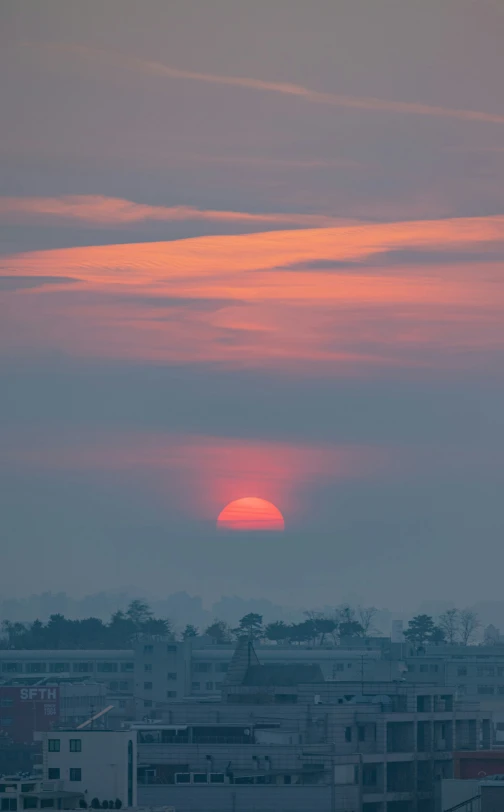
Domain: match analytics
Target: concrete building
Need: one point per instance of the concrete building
(112, 668)
(29, 705)
(30, 792)
(99, 764)
(283, 738)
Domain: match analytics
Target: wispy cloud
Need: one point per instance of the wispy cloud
(133, 301)
(307, 94)
(106, 211)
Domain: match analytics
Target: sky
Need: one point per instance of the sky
(253, 250)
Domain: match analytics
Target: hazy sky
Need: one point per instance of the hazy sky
(253, 248)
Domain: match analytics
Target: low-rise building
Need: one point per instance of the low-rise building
(99, 764)
(282, 737)
(29, 792)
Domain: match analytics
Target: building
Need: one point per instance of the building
(28, 705)
(98, 764)
(114, 669)
(283, 738)
(30, 792)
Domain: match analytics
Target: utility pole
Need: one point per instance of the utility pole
(333, 781)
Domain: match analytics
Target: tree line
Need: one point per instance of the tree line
(316, 629)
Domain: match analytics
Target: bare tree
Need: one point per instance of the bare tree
(365, 616)
(469, 623)
(449, 622)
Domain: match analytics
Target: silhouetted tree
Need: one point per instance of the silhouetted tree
(422, 629)
(365, 616)
(219, 631)
(449, 622)
(189, 631)
(278, 631)
(469, 624)
(139, 612)
(250, 626)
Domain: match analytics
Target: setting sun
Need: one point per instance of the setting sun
(250, 513)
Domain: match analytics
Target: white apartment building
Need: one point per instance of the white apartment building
(99, 764)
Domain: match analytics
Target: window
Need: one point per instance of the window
(195, 686)
(27, 787)
(434, 668)
(148, 667)
(171, 675)
(9, 804)
(171, 649)
(122, 704)
(349, 665)
(500, 671)
(216, 778)
(6, 702)
(348, 734)
(462, 671)
(75, 745)
(203, 668)
(47, 803)
(182, 778)
(485, 689)
(147, 703)
(361, 730)
(75, 774)
(209, 686)
(171, 694)
(107, 668)
(147, 686)
(127, 667)
(148, 649)
(423, 668)
(59, 668)
(53, 745)
(222, 667)
(53, 773)
(6, 721)
(35, 668)
(200, 778)
(12, 668)
(123, 685)
(83, 668)
(486, 671)
(339, 667)
(29, 803)
(369, 775)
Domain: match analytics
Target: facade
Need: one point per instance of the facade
(99, 764)
(156, 672)
(26, 709)
(162, 674)
(277, 742)
(31, 793)
(113, 669)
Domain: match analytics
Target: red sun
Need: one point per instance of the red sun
(250, 513)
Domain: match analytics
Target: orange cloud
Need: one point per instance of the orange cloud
(106, 211)
(227, 299)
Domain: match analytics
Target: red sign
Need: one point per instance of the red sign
(25, 710)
